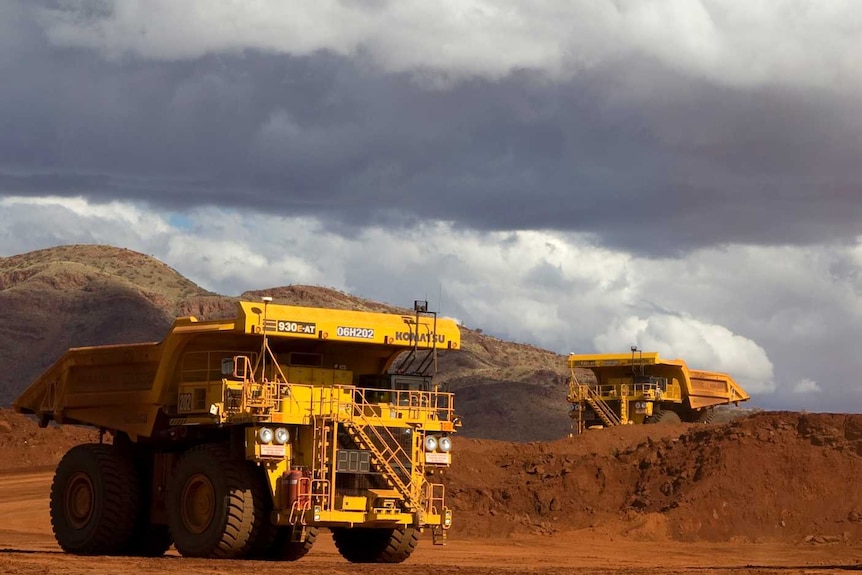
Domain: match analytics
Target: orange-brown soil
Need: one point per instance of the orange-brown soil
(772, 493)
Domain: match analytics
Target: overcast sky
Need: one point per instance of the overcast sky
(681, 175)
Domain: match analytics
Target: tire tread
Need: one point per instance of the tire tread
(117, 500)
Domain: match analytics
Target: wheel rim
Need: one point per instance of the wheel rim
(79, 499)
(198, 503)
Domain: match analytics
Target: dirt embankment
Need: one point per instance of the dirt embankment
(772, 476)
(25, 446)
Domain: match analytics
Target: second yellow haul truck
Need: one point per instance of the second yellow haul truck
(645, 388)
(242, 437)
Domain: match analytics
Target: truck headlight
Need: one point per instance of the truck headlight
(265, 435)
(430, 443)
(282, 435)
(444, 445)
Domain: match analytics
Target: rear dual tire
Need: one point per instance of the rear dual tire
(706, 415)
(95, 501)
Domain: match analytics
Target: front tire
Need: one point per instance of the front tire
(365, 545)
(95, 500)
(216, 507)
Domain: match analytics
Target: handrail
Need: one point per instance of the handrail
(389, 452)
(602, 408)
(305, 498)
(408, 405)
(614, 390)
(431, 498)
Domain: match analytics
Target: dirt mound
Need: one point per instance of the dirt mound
(775, 475)
(771, 476)
(24, 445)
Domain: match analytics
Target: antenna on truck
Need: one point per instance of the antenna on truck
(420, 307)
(640, 362)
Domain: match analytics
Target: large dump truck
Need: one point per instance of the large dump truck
(644, 388)
(243, 437)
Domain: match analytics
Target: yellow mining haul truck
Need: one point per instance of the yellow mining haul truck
(242, 437)
(644, 388)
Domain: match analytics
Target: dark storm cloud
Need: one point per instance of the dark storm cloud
(42, 184)
(644, 157)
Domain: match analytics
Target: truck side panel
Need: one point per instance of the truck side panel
(709, 388)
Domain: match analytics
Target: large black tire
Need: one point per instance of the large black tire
(283, 549)
(95, 501)
(706, 415)
(365, 545)
(216, 505)
(665, 416)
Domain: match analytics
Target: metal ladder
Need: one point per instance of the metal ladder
(387, 453)
(602, 409)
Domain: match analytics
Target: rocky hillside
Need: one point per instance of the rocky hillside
(70, 296)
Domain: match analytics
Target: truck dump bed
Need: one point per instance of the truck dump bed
(105, 386)
(707, 388)
(125, 387)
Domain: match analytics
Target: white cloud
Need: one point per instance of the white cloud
(763, 315)
(702, 345)
(48, 221)
(121, 213)
(759, 42)
(805, 386)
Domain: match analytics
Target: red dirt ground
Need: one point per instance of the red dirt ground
(771, 493)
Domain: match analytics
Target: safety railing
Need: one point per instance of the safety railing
(347, 402)
(435, 498)
(396, 463)
(616, 391)
(604, 411)
(311, 492)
